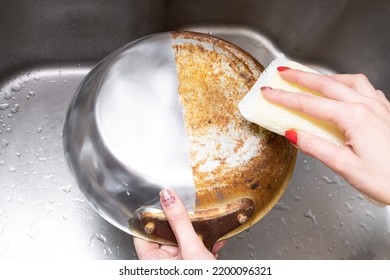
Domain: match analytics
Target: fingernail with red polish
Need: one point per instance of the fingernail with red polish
(282, 68)
(167, 197)
(263, 89)
(291, 136)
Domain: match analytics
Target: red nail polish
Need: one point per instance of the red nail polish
(167, 197)
(282, 68)
(291, 136)
(266, 88)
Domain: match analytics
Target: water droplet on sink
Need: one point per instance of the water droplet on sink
(309, 214)
(66, 188)
(361, 197)
(15, 109)
(4, 143)
(4, 106)
(30, 235)
(125, 184)
(79, 200)
(16, 88)
(7, 95)
(107, 251)
(336, 180)
(281, 206)
(370, 214)
(8, 199)
(12, 169)
(52, 81)
(297, 197)
(96, 236)
(349, 207)
(365, 227)
(346, 244)
(250, 247)
(49, 209)
(241, 236)
(327, 180)
(101, 238)
(48, 176)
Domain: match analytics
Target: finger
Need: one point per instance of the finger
(357, 82)
(144, 247)
(335, 157)
(147, 250)
(326, 85)
(218, 246)
(173, 250)
(188, 241)
(311, 105)
(383, 98)
(177, 217)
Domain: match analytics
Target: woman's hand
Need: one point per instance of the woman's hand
(189, 244)
(360, 111)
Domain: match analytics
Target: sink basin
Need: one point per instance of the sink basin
(48, 47)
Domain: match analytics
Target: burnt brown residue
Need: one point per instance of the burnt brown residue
(243, 56)
(214, 76)
(255, 185)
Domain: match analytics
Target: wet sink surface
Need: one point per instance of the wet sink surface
(52, 45)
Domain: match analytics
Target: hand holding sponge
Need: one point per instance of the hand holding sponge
(255, 108)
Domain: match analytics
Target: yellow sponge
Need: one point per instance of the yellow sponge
(278, 119)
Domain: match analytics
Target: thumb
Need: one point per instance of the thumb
(190, 246)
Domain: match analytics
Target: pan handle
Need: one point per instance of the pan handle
(210, 224)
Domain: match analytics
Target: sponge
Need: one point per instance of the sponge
(255, 108)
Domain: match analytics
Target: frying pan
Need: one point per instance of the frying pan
(161, 112)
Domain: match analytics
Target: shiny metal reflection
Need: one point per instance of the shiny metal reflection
(124, 133)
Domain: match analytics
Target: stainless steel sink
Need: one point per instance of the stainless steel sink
(48, 46)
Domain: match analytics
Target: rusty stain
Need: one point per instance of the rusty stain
(214, 76)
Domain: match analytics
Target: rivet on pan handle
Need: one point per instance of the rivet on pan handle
(209, 224)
